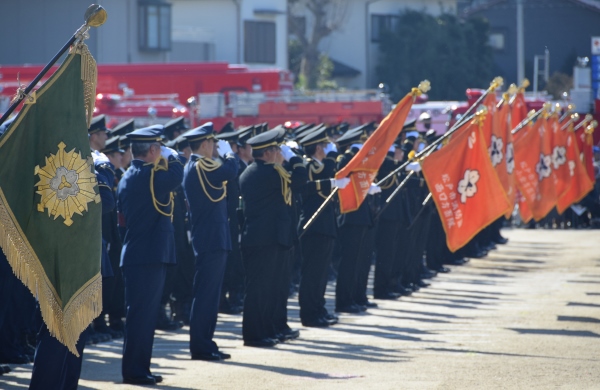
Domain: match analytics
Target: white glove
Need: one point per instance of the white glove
(359, 146)
(374, 189)
(292, 144)
(392, 149)
(340, 183)
(99, 158)
(330, 148)
(166, 152)
(286, 152)
(414, 166)
(223, 147)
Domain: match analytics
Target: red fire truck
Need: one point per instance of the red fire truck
(219, 92)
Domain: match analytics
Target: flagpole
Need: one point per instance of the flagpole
(393, 194)
(318, 212)
(423, 205)
(495, 84)
(527, 120)
(572, 119)
(588, 118)
(94, 16)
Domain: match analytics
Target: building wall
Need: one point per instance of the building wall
(220, 24)
(33, 31)
(562, 26)
(352, 44)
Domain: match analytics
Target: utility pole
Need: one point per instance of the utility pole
(520, 42)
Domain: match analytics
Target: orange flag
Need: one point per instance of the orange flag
(465, 188)
(533, 170)
(363, 167)
(488, 124)
(558, 145)
(501, 153)
(524, 209)
(585, 143)
(581, 184)
(518, 110)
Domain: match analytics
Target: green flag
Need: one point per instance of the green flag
(50, 211)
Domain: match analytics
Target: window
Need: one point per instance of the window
(259, 42)
(154, 25)
(496, 41)
(382, 23)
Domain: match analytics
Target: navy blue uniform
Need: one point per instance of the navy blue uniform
(355, 245)
(204, 184)
(318, 241)
(148, 247)
(267, 238)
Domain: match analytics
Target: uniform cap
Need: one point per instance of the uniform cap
(147, 134)
(98, 124)
(228, 128)
(123, 128)
(351, 136)
(267, 139)
(314, 137)
(173, 125)
(112, 145)
(201, 133)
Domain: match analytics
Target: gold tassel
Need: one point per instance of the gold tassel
(286, 180)
(89, 76)
(66, 324)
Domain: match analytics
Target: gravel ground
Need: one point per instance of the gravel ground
(525, 317)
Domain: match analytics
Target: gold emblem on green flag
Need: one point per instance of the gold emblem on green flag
(47, 186)
(66, 184)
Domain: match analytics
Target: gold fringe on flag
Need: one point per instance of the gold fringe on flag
(85, 305)
(89, 76)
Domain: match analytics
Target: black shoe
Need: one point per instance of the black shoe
(15, 359)
(353, 309)
(423, 284)
(143, 380)
(387, 296)
(208, 357)
(262, 343)
(457, 261)
(4, 369)
(224, 355)
(157, 378)
(412, 286)
(443, 270)
(428, 274)
(169, 325)
(402, 290)
(290, 334)
(318, 323)
(500, 240)
(231, 310)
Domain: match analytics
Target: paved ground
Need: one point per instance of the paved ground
(525, 317)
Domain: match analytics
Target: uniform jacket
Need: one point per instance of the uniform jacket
(206, 194)
(363, 215)
(148, 233)
(315, 193)
(106, 177)
(268, 218)
(393, 212)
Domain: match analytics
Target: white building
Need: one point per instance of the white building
(252, 32)
(355, 44)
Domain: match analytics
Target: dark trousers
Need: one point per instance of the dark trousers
(317, 250)
(386, 244)
(115, 306)
(143, 290)
(283, 279)
(208, 279)
(351, 237)
(437, 250)
(54, 366)
(363, 267)
(260, 264)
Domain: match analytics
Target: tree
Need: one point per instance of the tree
(451, 53)
(324, 17)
